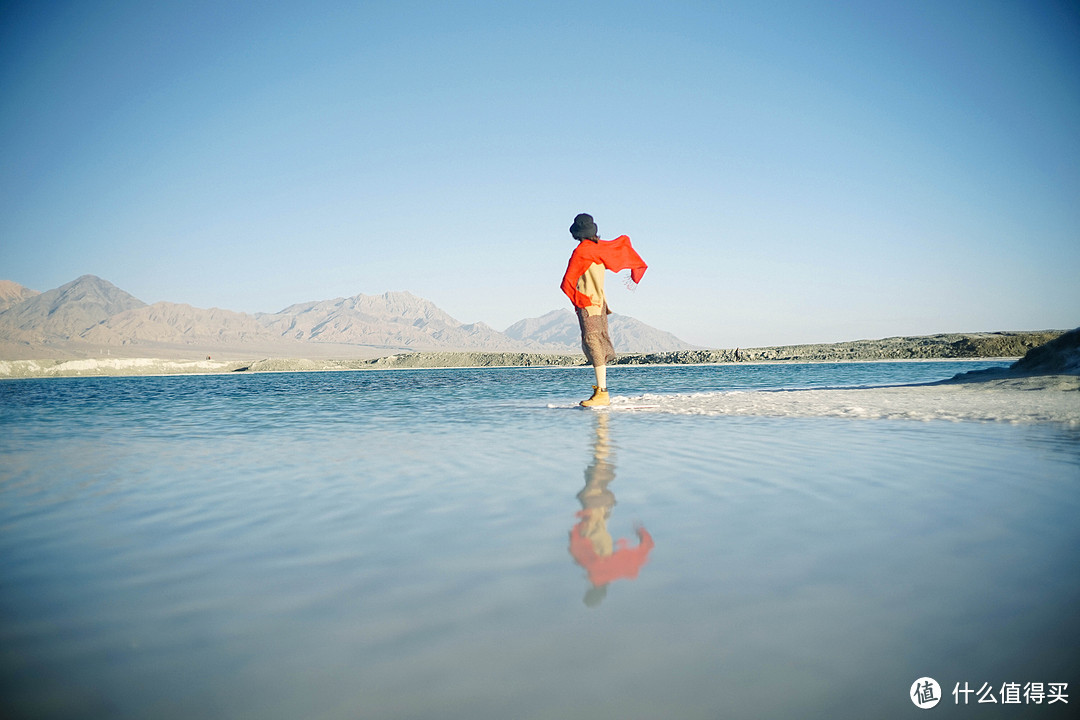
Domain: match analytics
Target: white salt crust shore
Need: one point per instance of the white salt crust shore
(111, 366)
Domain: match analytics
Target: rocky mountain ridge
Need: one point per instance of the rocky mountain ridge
(393, 319)
(90, 316)
(12, 293)
(66, 312)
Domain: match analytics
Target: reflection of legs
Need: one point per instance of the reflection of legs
(600, 472)
(596, 499)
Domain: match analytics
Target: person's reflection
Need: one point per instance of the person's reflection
(590, 542)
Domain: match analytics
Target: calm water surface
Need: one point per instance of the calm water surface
(399, 545)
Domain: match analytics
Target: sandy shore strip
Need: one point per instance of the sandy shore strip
(125, 367)
(971, 346)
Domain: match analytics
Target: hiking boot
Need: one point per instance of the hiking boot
(599, 397)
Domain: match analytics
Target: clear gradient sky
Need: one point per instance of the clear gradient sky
(791, 171)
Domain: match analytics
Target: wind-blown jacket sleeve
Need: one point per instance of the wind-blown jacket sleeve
(620, 255)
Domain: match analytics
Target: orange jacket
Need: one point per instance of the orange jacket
(615, 255)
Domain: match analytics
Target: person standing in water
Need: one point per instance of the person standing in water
(583, 283)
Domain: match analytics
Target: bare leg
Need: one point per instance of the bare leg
(600, 394)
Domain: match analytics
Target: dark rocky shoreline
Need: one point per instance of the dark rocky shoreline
(952, 346)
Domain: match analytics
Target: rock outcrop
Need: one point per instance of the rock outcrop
(1060, 356)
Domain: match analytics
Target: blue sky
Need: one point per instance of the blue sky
(791, 171)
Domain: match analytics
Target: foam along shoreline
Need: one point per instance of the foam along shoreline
(1042, 399)
(1041, 387)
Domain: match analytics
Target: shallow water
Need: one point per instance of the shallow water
(398, 545)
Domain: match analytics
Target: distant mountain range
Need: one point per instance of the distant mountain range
(91, 314)
(559, 329)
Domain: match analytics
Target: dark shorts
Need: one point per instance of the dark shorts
(595, 341)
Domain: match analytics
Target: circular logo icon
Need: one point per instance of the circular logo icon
(925, 693)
